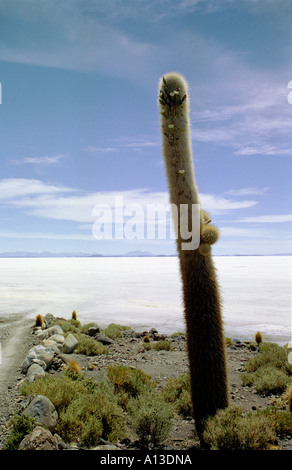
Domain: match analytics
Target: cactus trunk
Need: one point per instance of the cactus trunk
(202, 305)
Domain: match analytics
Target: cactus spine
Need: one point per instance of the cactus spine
(202, 305)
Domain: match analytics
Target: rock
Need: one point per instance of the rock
(49, 319)
(44, 411)
(53, 330)
(57, 348)
(152, 331)
(39, 439)
(70, 344)
(38, 354)
(103, 339)
(34, 371)
(55, 342)
(158, 337)
(93, 330)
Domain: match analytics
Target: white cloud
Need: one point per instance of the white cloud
(93, 149)
(45, 235)
(220, 205)
(247, 191)
(45, 160)
(48, 201)
(13, 188)
(272, 218)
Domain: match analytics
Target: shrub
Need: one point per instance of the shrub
(114, 331)
(87, 419)
(267, 379)
(72, 369)
(289, 397)
(150, 418)
(159, 346)
(270, 353)
(269, 370)
(68, 326)
(229, 429)
(60, 390)
(88, 410)
(178, 392)
(128, 383)
(89, 346)
(281, 420)
(20, 426)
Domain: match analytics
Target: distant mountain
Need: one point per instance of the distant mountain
(47, 254)
(43, 254)
(130, 254)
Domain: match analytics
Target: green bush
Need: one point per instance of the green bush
(89, 418)
(60, 390)
(281, 420)
(88, 410)
(150, 418)
(89, 346)
(178, 392)
(20, 426)
(267, 379)
(270, 353)
(68, 326)
(114, 330)
(161, 345)
(230, 429)
(269, 371)
(128, 382)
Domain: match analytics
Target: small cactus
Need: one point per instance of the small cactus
(39, 321)
(73, 367)
(258, 338)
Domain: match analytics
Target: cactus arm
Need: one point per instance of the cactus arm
(202, 303)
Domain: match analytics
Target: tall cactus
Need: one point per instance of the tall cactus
(202, 305)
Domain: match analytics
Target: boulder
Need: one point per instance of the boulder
(44, 411)
(49, 319)
(103, 339)
(93, 330)
(57, 348)
(38, 354)
(35, 371)
(70, 344)
(53, 330)
(39, 439)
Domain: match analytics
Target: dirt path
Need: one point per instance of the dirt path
(15, 340)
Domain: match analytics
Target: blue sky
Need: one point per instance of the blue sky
(79, 121)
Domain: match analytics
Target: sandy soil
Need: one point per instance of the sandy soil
(17, 337)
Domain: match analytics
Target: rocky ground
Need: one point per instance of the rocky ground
(17, 337)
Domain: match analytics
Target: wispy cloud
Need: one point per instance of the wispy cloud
(45, 235)
(48, 201)
(270, 219)
(93, 149)
(248, 191)
(45, 160)
(135, 143)
(13, 189)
